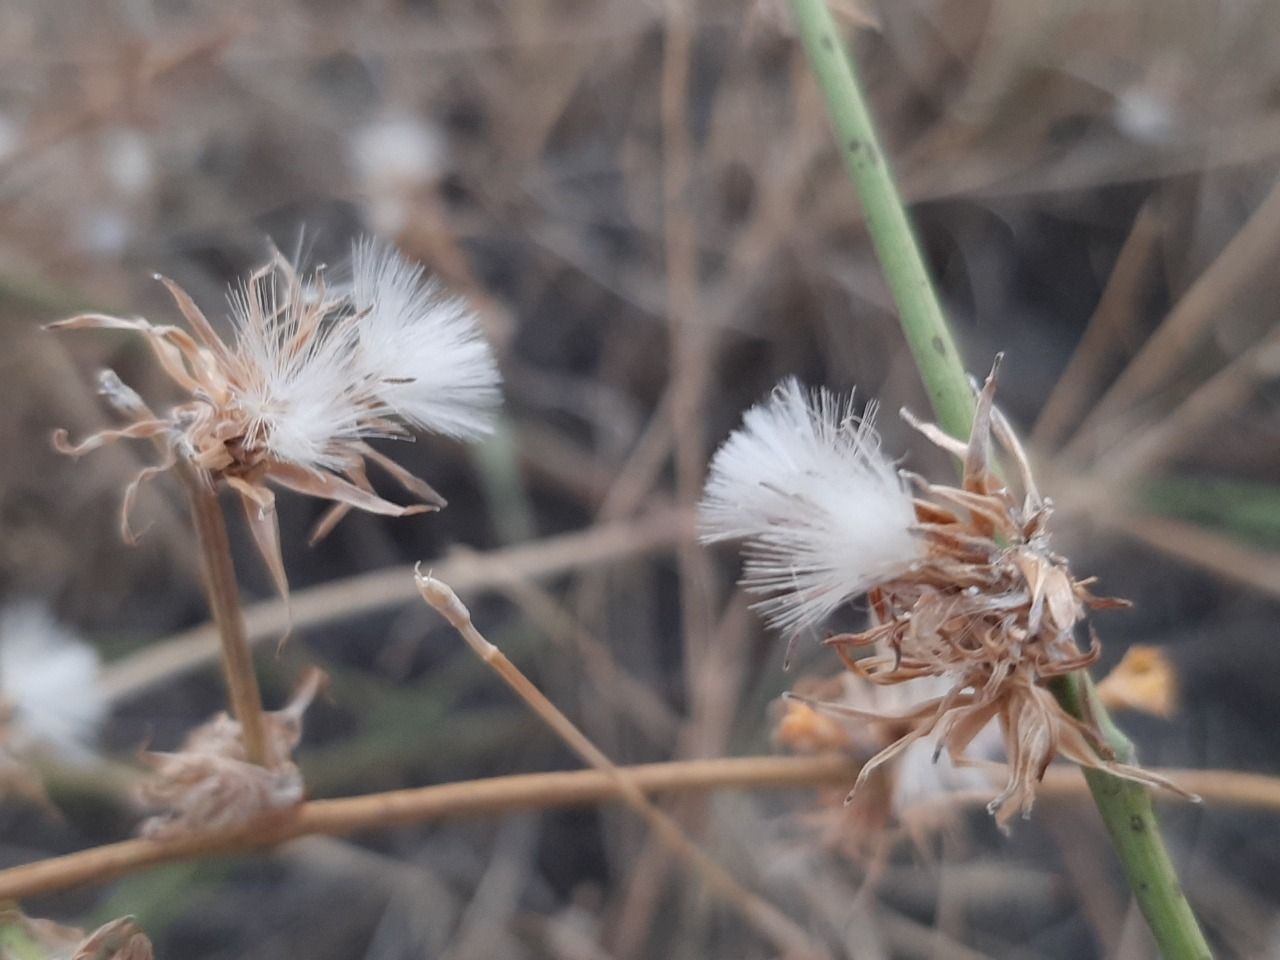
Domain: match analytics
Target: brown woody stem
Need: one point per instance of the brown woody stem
(471, 798)
(224, 603)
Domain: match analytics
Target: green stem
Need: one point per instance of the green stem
(1126, 809)
(932, 345)
(1125, 806)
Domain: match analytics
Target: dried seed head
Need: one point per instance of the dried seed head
(963, 587)
(310, 375)
(210, 784)
(120, 939)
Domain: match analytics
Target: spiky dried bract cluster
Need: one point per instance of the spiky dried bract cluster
(120, 939)
(210, 785)
(824, 513)
(310, 375)
(978, 600)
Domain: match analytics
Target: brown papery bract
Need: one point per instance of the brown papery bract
(210, 784)
(994, 612)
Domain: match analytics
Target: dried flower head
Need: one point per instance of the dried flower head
(911, 792)
(120, 939)
(311, 374)
(961, 582)
(210, 784)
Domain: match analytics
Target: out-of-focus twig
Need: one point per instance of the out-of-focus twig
(471, 798)
(768, 920)
(1250, 253)
(381, 589)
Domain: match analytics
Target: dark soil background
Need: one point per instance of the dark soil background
(1095, 184)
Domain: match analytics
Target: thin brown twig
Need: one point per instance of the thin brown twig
(1204, 548)
(471, 798)
(767, 919)
(381, 589)
(1227, 390)
(690, 344)
(1113, 317)
(625, 693)
(1250, 253)
(499, 795)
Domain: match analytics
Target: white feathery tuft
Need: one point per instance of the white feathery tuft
(433, 367)
(300, 391)
(824, 512)
(48, 682)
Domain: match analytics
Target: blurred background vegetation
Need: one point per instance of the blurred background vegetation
(1095, 182)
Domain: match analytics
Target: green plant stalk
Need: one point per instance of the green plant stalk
(1125, 807)
(1131, 822)
(928, 335)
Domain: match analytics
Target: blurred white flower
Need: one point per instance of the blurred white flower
(393, 156)
(48, 684)
(399, 148)
(1148, 116)
(823, 510)
(128, 162)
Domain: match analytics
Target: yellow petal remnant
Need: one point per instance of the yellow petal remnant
(1143, 680)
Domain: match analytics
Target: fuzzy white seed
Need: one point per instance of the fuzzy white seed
(823, 511)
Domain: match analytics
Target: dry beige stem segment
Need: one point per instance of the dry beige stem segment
(767, 919)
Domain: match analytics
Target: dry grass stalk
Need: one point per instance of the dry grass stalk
(471, 798)
(591, 549)
(766, 918)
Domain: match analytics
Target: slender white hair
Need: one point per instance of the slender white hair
(432, 364)
(823, 511)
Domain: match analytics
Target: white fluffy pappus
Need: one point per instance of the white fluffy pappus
(296, 379)
(433, 366)
(823, 511)
(48, 683)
